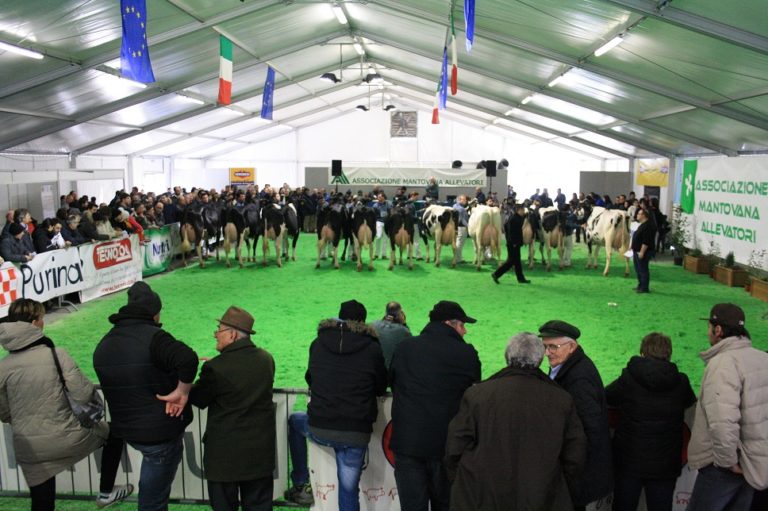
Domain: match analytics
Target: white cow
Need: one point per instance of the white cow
(439, 223)
(609, 227)
(485, 231)
(551, 234)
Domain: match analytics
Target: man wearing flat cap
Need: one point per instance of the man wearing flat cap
(138, 364)
(345, 375)
(236, 387)
(729, 439)
(429, 374)
(574, 371)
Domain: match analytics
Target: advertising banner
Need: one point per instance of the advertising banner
(730, 206)
(242, 176)
(110, 266)
(9, 284)
(449, 178)
(51, 274)
(652, 172)
(161, 245)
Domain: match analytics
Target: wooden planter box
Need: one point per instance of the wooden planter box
(759, 289)
(731, 277)
(697, 264)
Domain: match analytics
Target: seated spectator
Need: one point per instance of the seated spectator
(391, 330)
(23, 218)
(43, 238)
(13, 247)
(88, 229)
(518, 427)
(102, 223)
(139, 214)
(9, 216)
(71, 233)
(651, 395)
(158, 219)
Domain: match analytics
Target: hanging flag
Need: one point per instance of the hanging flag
(443, 88)
(435, 107)
(225, 71)
(454, 60)
(268, 94)
(687, 199)
(469, 21)
(134, 52)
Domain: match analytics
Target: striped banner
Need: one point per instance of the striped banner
(225, 71)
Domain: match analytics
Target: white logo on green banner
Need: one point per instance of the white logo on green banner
(687, 200)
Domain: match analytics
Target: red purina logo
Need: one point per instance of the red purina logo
(110, 254)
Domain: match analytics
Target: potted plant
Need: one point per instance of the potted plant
(729, 274)
(697, 262)
(758, 277)
(678, 236)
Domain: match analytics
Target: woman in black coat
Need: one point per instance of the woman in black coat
(652, 396)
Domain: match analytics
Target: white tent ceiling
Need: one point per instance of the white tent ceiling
(690, 78)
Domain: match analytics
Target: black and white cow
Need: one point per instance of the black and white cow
(200, 222)
(552, 231)
(609, 227)
(363, 231)
(291, 219)
(273, 228)
(439, 223)
(253, 228)
(399, 229)
(331, 220)
(234, 232)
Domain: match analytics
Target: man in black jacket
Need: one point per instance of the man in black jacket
(643, 244)
(428, 375)
(574, 371)
(139, 366)
(346, 372)
(513, 231)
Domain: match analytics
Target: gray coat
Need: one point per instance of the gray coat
(47, 438)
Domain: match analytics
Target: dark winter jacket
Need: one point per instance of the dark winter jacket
(429, 374)
(88, 230)
(644, 235)
(515, 444)
(73, 236)
(42, 240)
(135, 361)
(14, 249)
(346, 372)
(651, 396)
(236, 387)
(513, 230)
(579, 376)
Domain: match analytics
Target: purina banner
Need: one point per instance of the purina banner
(652, 172)
(51, 274)
(384, 176)
(241, 176)
(110, 266)
(161, 245)
(730, 205)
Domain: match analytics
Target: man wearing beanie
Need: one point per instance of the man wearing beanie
(14, 247)
(137, 364)
(346, 372)
(575, 372)
(429, 374)
(729, 439)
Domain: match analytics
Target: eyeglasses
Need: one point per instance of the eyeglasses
(555, 347)
(219, 330)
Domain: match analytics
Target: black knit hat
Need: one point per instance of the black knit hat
(142, 301)
(447, 311)
(353, 311)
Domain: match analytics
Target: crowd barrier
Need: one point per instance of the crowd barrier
(378, 491)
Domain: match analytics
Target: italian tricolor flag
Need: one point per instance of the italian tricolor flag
(225, 71)
(454, 60)
(436, 107)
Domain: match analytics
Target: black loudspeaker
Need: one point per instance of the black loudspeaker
(490, 168)
(335, 168)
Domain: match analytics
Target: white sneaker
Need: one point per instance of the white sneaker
(119, 493)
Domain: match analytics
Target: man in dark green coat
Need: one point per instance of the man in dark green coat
(236, 387)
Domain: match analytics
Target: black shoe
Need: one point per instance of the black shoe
(301, 495)
(643, 291)
(495, 278)
(524, 281)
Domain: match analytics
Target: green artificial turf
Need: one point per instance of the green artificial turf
(289, 302)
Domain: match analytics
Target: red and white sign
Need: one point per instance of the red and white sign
(112, 253)
(110, 266)
(8, 287)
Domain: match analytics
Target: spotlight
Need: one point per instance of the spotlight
(362, 108)
(390, 107)
(330, 77)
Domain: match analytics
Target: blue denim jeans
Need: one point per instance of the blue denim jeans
(158, 468)
(642, 270)
(349, 461)
(719, 489)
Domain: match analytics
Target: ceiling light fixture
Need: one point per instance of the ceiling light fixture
(373, 78)
(510, 111)
(526, 100)
(390, 107)
(557, 80)
(331, 77)
(362, 108)
(358, 48)
(21, 51)
(609, 45)
(339, 12)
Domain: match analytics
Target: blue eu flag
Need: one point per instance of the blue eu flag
(134, 52)
(268, 95)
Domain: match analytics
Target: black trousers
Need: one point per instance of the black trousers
(513, 260)
(422, 484)
(254, 495)
(111, 454)
(44, 495)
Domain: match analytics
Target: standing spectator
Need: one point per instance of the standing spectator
(729, 440)
(520, 428)
(546, 201)
(236, 387)
(479, 195)
(345, 375)
(9, 216)
(138, 364)
(643, 245)
(14, 246)
(511, 193)
(513, 231)
(536, 196)
(461, 230)
(432, 191)
(392, 330)
(560, 199)
(381, 207)
(428, 375)
(47, 438)
(652, 396)
(574, 371)
(88, 230)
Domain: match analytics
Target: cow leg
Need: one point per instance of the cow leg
(549, 257)
(320, 250)
(608, 254)
(293, 247)
(335, 254)
(455, 253)
(279, 248)
(356, 247)
(438, 249)
(264, 250)
(239, 249)
(410, 255)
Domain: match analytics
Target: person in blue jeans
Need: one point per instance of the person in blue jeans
(345, 375)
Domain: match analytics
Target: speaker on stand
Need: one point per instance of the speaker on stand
(490, 173)
(336, 171)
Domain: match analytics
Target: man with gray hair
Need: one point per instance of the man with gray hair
(503, 433)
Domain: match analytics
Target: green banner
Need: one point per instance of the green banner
(160, 246)
(687, 200)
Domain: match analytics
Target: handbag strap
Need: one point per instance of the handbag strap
(58, 368)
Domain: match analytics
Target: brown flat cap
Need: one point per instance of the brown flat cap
(238, 319)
